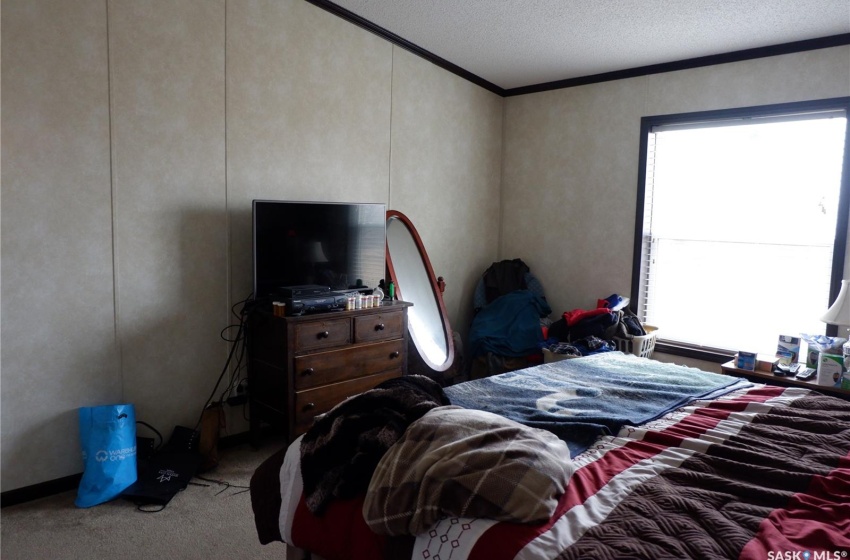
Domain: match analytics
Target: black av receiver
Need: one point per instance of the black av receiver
(331, 301)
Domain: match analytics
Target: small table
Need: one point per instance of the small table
(767, 377)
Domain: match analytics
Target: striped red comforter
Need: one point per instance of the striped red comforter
(761, 473)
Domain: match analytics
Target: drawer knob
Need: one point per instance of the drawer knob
(309, 406)
(323, 334)
(394, 355)
(308, 371)
(379, 327)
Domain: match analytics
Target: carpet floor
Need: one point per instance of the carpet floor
(206, 521)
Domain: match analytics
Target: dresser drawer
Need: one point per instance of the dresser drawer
(347, 363)
(316, 335)
(379, 326)
(310, 403)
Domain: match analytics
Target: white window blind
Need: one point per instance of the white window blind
(739, 226)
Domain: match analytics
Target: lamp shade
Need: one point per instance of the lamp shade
(839, 312)
(315, 253)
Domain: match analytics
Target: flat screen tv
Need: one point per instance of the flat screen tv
(339, 245)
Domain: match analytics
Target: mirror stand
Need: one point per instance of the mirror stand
(410, 270)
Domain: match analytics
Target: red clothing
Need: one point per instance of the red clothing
(576, 315)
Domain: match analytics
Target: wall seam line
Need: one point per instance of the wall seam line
(390, 150)
(501, 197)
(228, 241)
(116, 315)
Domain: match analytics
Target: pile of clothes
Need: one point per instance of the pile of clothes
(583, 332)
(509, 307)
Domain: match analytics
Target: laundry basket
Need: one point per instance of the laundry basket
(640, 345)
(549, 356)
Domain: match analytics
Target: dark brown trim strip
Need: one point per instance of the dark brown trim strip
(406, 45)
(41, 490)
(705, 354)
(736, 56)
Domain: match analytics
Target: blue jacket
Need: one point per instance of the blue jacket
(509, 325)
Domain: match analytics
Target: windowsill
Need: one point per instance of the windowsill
(714, 355)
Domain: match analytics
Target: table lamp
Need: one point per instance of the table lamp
(839, 314)
(315, 256)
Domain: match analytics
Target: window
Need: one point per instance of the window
(741, 225)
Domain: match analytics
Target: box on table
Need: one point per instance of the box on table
(765, 362)
(746, 360)
(788, 349)
(830, 369)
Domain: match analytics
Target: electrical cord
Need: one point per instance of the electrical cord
(240, 369)
(227, 485)
(237, 348)
(237, 343)
(144, 508)
(236, 375)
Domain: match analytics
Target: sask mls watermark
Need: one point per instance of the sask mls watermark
(807, 554)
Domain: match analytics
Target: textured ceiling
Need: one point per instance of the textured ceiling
(516, 43)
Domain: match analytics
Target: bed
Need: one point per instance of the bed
(660, 461)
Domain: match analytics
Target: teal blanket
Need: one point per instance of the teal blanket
(580, 399)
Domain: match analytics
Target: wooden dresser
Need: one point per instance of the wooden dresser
(302, 366)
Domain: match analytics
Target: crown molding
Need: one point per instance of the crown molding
(699, 62)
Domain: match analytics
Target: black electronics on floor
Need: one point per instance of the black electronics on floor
(167, 471)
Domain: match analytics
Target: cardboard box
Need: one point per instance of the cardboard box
(746, 360)
(766, 362)
(830, 369)
(788, 348)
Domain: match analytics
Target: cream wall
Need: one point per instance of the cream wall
(454, 206)
(570, 169)
(59, 343)
(166, 69)
(136, 134)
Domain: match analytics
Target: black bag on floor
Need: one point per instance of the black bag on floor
(167, 471)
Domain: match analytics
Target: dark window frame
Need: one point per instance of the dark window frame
(840, 244)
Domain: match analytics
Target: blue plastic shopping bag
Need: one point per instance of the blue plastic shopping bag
(108, 441)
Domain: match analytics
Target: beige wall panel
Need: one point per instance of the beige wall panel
(569, 192)
(445, 176)
(571, 161)
(58, 337)
(815, 74)
(167, 75)
(308, 114)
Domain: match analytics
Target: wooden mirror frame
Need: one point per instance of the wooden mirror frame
(437, 287)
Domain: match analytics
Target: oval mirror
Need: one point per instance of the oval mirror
(410, 269)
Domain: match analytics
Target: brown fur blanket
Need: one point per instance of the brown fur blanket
(340, 451)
